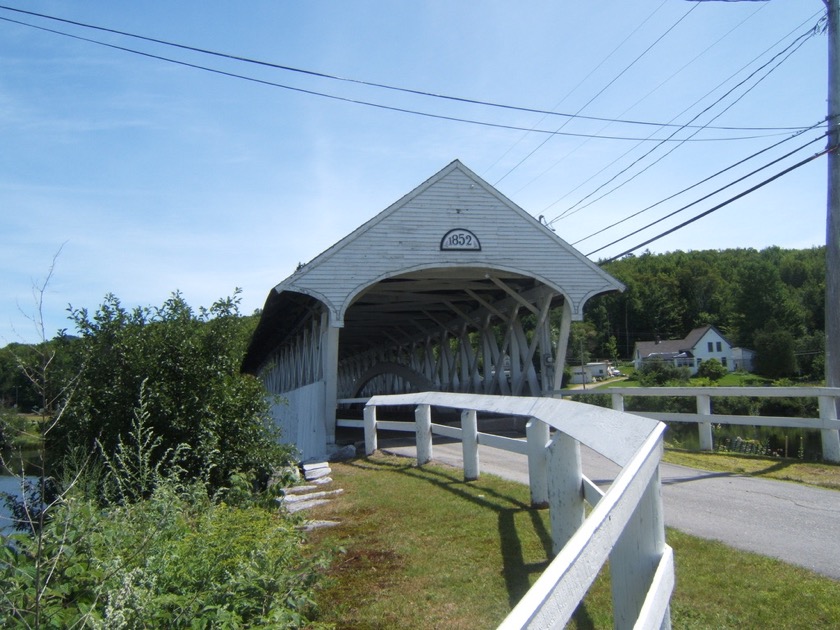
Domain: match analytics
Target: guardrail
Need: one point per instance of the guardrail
(625, 525)
(827, 422)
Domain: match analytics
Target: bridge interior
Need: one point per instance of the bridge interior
(461, 330)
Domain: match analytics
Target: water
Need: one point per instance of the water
(12, 486)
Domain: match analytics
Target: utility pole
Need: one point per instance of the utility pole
(831, 438)
(832, 234)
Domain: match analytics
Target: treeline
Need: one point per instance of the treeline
(771, 301)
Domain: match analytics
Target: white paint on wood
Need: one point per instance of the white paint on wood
(406, 237)
(538, 436)
(371, 444)
(830, 436)
(585, 423)
(704, 408)
(631, 505)
(469, 427)
(554, 597)
(513, 445)
(591, 492)
(301, 420)
(447, 431)
(656, 610)
(329, 361)
(565, 489)
(635, 556)
(423, 422)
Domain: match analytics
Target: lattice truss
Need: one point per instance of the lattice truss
(481, 342)
(490, 357)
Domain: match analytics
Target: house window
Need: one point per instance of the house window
(711, 347)
(723, 361)
(718, 346)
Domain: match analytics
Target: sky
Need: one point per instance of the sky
(137, 176)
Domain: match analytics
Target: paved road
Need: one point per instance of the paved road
(795, 523)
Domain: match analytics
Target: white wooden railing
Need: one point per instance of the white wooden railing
(827, 422)
(625, 525)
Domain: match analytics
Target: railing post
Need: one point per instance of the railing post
(423, 424)
(618, 402)
(370, 430)
(704, 429)
(565, 489)
(538, 434)
(636, 556)
(469, 443)
(830, 437)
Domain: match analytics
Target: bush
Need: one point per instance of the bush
(712, 369)
(156, 552)
(656, 373)
(176, 560)
(196, 396)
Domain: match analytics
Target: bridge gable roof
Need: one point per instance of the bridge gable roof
(408, 237)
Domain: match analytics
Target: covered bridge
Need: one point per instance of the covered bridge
(451, 288)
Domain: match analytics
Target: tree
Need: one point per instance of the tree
(188, 364)
(775, 355)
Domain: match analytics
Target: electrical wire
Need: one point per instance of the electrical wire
(722, 205)
(788, 51)
(581, 82)
(630, 108)
(333, 77)
(601, 91)
(696, 184)
(705, 197)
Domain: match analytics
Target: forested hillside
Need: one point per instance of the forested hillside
(756, 298)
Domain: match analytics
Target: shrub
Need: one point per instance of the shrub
(155, 552)
(712, 369)
(176, 560)
(196, 396)
(656, 373)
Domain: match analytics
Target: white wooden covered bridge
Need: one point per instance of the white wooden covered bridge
(451, 288)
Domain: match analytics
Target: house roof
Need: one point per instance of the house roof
(677, 346)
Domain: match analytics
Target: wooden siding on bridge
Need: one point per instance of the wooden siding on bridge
(407, 237)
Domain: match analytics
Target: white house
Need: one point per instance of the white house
(589, 373)
(701, 344)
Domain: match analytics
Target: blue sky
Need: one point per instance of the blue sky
(152, 177)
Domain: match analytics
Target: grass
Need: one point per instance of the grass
(784, 469)
(23, 429)
(421, 548)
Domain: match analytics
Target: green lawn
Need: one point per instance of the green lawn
(421, 548)
(784, 469)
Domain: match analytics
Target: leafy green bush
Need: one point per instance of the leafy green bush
(176, 560)
(196, 396)
(656, 373)
(712, 369)
(155, 552)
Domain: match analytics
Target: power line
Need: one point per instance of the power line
(601, 91)
(787, 51)
(696, 184)
(630, 108)
(721, 205)
(581, 82)
(708, 196)
(324, 75)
